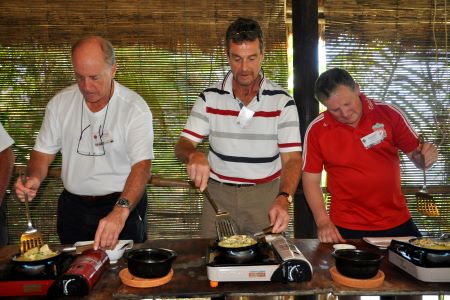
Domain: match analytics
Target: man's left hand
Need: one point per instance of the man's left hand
(279, 214)
(429, 152)
(110, 227)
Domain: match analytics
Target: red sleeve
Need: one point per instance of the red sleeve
(404, 136)
(312, 154)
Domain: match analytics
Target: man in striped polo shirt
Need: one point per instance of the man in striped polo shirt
(254, 161)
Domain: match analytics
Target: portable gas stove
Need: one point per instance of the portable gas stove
(423, 264)
(276, 260)
(31, 280)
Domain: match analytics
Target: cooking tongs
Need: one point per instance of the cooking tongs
(224, 225)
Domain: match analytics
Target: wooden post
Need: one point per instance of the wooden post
(305, 28)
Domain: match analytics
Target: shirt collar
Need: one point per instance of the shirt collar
(227, 84)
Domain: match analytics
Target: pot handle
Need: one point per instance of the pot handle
(127, 245)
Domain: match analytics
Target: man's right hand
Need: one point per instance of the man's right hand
(30, 186)
(328, 233)
(198, 169)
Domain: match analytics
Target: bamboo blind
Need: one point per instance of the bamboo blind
(163, 24)
(167, 51)
(407, 22)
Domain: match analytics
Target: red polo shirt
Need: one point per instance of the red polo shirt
(364, 183)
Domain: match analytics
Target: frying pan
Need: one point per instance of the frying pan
(241, 249)
(445, 249)
(240, 254)
(15, 259)
(421, 256)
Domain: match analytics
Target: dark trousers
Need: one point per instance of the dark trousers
(78, 218)
(3, 228)
(406, 229)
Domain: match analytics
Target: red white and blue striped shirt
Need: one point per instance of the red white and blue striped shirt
(250, 154)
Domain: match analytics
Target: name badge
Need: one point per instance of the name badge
(244, 117)
(373, 139)
(106, 138)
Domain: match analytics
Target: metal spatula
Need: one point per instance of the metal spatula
(224, 225)
(31, 238)
(425, 202)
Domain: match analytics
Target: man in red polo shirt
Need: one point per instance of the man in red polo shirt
(356, 140)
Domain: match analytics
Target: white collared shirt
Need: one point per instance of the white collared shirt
(128, 137)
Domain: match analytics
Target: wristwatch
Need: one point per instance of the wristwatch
(289, 198)
(123, 202)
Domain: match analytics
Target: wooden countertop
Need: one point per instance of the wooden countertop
(190, 278)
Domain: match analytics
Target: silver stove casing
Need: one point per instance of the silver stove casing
(292, 266)
(424, 274)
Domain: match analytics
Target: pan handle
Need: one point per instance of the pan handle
(444, 236)
(213, 203)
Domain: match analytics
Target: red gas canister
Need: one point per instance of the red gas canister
(82, 274)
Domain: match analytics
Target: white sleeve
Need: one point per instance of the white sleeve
(5, 139)
(140, 136)
(49, 138)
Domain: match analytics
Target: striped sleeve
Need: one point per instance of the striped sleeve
(197, 125)
(289, 128)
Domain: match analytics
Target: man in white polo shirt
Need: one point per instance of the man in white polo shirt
(254, 162)
(6, 168)
(105, 135)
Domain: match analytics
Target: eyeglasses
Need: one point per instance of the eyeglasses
(98, 146)
(91, 145)
(86, 143)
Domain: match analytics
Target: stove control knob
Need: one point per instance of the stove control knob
(297, 273)
(293, 271)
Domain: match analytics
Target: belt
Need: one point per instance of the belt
(101, 198)
(238, 185)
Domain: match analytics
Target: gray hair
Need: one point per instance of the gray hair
(105, 45)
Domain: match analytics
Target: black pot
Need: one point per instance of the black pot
(150, 262)
(357, 263)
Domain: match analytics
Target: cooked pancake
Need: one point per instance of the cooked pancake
(433, 244)
(37, 253)
(237, 241)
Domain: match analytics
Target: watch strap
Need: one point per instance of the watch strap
(289, 197)
(123, 202)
